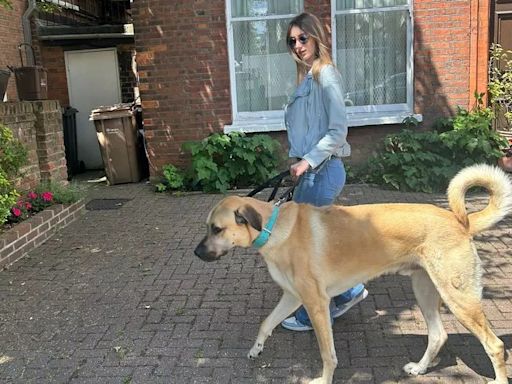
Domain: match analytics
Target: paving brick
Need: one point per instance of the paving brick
(118, 296)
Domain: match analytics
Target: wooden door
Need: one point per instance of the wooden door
(501, 33)
(502, 23)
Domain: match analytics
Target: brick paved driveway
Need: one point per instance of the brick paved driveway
(119, 297)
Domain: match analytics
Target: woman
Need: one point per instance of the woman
(316, 124)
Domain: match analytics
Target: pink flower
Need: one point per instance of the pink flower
(28, 206)
(16, 212)
(32, 195)
(47, 196)
(20, 203)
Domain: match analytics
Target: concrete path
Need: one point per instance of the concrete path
(119, 297)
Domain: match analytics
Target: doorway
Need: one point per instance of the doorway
(93, 81)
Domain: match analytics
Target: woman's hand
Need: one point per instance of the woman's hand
(297, 169)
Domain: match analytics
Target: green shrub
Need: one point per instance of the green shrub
(224, 161)
(6, 4)
(43, 196)
(500, 82)
(8, 196)
(62, 194)
(13, 156)
(173, 179)
(426, 161)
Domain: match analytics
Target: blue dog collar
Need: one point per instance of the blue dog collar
(262, 238)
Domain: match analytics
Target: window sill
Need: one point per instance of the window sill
(256, 125)
(363, 119)
(354, 120)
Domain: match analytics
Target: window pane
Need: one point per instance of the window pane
(245, 8)
(360, 4)
(265, 72)
(372, 57)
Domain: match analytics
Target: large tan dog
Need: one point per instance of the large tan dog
(317, 253)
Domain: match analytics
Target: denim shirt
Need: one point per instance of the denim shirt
(316, 120)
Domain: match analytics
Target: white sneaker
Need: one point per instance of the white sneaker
(293, 324)
(337, 311)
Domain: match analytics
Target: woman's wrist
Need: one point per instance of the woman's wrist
(299, 168)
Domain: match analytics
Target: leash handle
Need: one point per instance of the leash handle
(268, 183)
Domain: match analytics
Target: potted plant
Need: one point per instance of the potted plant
(506, 161)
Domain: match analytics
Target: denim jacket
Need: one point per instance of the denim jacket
(316, 120)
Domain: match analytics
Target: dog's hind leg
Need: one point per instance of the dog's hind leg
(469, 312)
(286, 305)
(457, 278)
(429, 302)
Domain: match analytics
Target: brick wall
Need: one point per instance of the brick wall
(182, 60)
(50, 140)
(183, 68)
(125, 55)
(11, 32)
(52, 58)
(38, 125)
(442, 53)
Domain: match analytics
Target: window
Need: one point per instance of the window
(372, 48)
(262, 73)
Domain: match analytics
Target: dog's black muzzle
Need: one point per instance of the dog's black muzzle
(204, 254)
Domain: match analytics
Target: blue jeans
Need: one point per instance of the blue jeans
(322, 188)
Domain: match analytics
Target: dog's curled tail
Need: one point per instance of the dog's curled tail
(497, 184)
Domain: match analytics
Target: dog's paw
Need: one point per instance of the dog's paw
(317, 381)
(255, 351)
(414, 369)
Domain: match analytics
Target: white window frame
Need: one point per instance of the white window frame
(267, 121)
(385, 113)
(264, 121)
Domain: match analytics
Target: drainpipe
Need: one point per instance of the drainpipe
(27, 31)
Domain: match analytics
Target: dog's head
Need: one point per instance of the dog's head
(235, 221)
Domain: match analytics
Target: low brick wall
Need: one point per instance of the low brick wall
(38, 125)
(27, 235)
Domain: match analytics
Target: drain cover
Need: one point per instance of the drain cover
(103, 204)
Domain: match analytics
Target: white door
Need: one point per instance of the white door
(93, 81)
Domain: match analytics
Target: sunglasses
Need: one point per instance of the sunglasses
(303, 39)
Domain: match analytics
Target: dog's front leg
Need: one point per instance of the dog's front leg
(286, 305)
(318, 311)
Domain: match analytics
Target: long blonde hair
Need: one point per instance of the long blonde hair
(312, 27)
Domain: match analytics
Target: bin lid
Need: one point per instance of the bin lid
(111, 111)
(30, 68)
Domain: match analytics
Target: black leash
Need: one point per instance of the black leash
(276, 183)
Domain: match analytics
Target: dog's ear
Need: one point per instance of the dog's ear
(248, 215)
